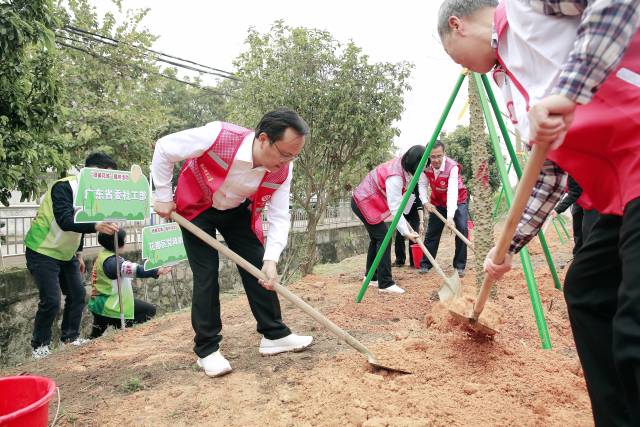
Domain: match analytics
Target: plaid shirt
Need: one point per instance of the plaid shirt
(605, 30)
(546, 194)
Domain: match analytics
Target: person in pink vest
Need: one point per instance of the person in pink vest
(228, 176)
(449, 197)
(376, 199)
(569, 71)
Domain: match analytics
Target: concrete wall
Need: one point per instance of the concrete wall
(19, 295)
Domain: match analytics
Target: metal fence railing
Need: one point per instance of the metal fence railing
(15, 227)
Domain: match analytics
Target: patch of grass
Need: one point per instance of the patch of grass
(132, 385)
(347, 265)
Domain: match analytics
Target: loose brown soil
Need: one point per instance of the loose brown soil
(148, 376)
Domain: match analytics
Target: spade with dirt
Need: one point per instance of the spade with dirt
(284, 292)
(525, 186)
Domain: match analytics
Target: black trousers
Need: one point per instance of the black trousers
(602, 290)
(142, 311)
(583, 221)
(53, 276)
(577, 214)
(376, 236)
(400, 247)
(235, 226)
(434, 232)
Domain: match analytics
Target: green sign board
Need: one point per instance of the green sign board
(162, 245)
(111, 195)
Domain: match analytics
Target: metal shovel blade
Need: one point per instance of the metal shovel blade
(475, 324)
(374, 362)
(451, 288)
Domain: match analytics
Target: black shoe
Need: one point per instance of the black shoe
(424, 270)
(460, 272)
(398, 264)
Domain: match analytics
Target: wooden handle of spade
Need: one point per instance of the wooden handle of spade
(523, 192)
(426, 253)
(281, 290)
(455, 230)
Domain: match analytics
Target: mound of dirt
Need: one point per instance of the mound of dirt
(147, 375)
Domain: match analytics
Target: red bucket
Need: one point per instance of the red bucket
(416, 254)
(24, 401)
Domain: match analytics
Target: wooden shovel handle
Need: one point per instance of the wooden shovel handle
(281, 290)
(455, 230)
(430, 257)
(523, 192)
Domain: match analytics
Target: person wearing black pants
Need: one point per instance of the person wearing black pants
(54, 277)
(376, 232)
(54, 258)
(602, 290)
(378, 197)
(231, 177)
(449, 196)
(235, 227)
(414, 218)
(143, 312)
(105, 301)
(434, 232)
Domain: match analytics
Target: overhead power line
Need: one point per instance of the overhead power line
(108, 61)
(150, 53)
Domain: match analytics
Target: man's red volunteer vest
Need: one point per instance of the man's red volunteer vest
(601, 151)
(371, 194)
(201, 177)
(440, 184)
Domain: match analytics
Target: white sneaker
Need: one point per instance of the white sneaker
(393, 289)
(77, 342)
(80, 341)
(41, 352)
(291, 342)
(372, 283)
(214, 365)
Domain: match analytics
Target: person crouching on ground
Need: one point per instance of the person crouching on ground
(104, 303)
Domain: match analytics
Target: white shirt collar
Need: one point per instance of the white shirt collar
(443, 164)
(245, 151)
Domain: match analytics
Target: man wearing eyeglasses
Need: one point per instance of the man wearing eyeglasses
(229, 175)
(449, 198)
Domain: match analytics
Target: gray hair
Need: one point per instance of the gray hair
(461, 9)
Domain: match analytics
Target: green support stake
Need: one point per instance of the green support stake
(410, 187)
(524, 253)
(555, 225)
(495, 209)
(564, 227)
(518, 169)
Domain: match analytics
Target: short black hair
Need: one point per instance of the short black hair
(100, 160)
(437, 144)
(107, 240)
(412, 157)
(274, 123)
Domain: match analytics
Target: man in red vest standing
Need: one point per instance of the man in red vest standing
(229, 175)
(449, 197)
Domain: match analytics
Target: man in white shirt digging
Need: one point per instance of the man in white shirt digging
(229, 175)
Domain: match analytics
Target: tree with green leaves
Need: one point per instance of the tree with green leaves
(349, 103)
(109, 101)
(29, 93)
